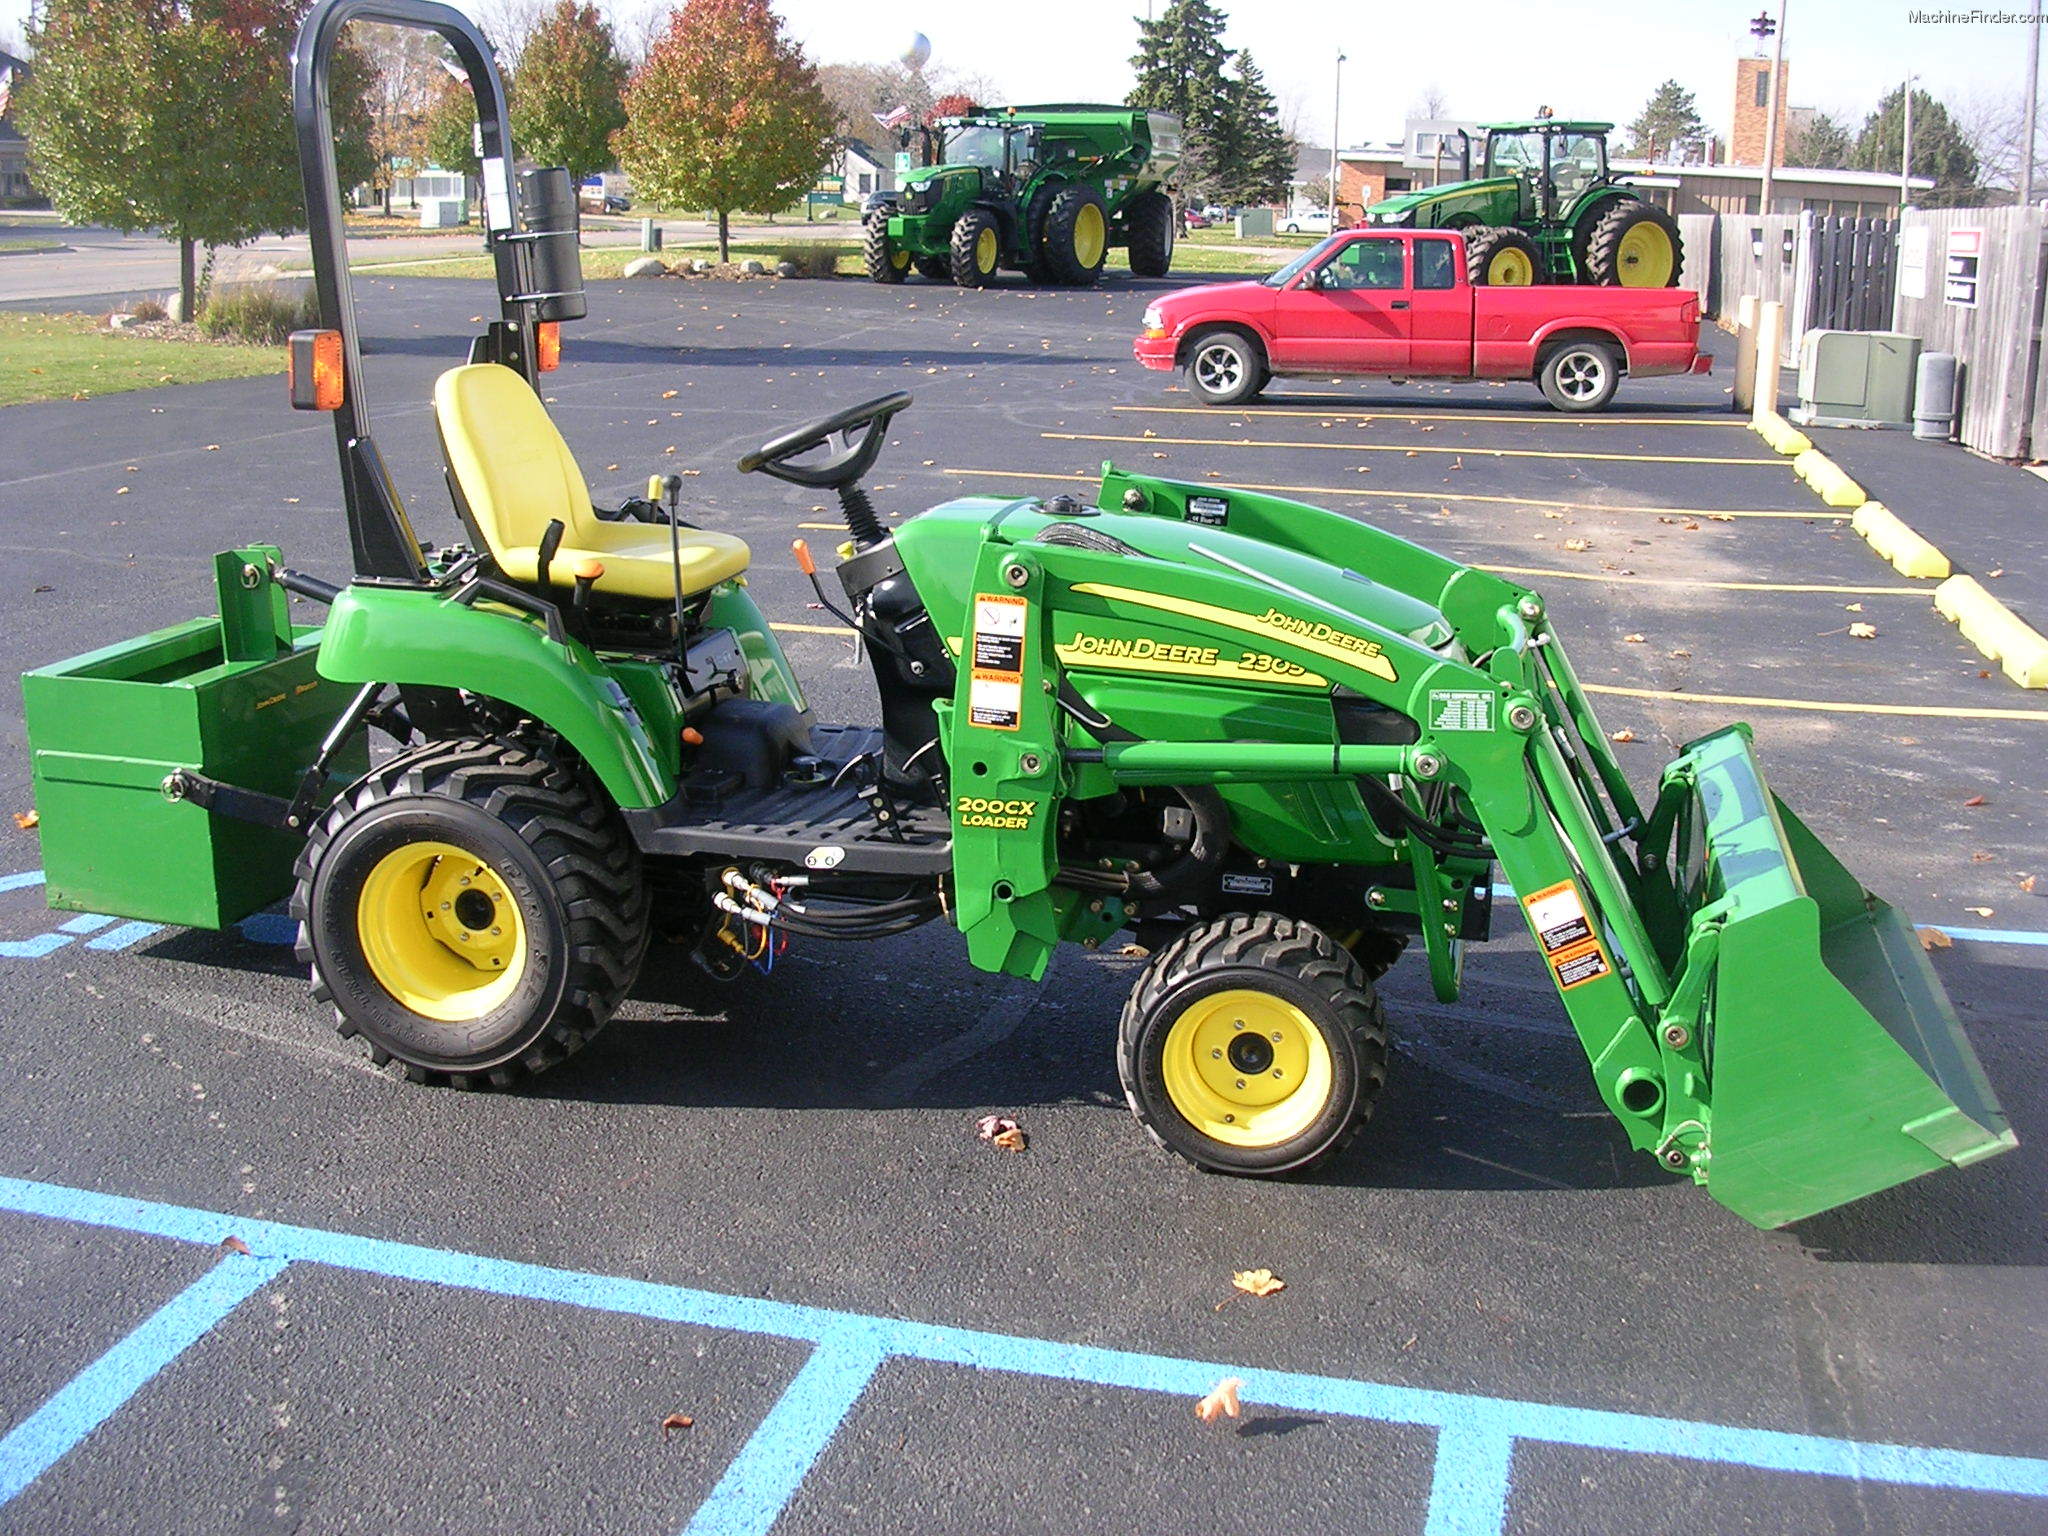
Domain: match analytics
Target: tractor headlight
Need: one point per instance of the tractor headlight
(918, 198)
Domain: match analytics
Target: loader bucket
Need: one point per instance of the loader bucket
(1837, 1065)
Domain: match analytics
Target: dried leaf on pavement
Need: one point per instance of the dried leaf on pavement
(28, 821)
(1258, 1282)
(1980, 911)
(233, 1244)
(674, 1422)
(1221, 1402)
(2027, 884)
(1000, 1131)
(1974, 800)
(1862, 631)
(1632, 639)
(1934, 938)
(1578, 546)
(1624, 734)
(1981, 857)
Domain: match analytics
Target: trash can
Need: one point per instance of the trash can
(1934, 397)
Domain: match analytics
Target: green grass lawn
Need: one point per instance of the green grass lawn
(29, 243)
(64, 357)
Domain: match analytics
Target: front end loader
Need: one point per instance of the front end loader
(1278, 745)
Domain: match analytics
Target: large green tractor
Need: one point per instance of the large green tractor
(1546, 209)
(1046, 191)
(1276, 743)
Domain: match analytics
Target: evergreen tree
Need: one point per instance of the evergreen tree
(1668, 119)
(567, 95)
(1941, 149)
(1180, 63)
(1258, 162)
(1824, 144)
(725, 114)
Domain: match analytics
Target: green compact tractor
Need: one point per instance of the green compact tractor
(1275, 743)
(1545, 209)
(1045, 191)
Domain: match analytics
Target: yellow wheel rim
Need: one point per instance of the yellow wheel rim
(1091, 235)
(441, 932)
(1247, 1068)
(985, 251)
(1646, 257)
(899, 259)
(1510, 268)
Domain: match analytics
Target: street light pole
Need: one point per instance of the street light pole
(1906, 149)
(1771, 119)
(1336, 106)
(2033, 108)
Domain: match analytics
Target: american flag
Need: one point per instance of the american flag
(6, 88)
(895, 119)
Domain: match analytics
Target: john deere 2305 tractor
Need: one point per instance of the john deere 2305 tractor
(1546, 209)
(1046, 191)
(1276, 743)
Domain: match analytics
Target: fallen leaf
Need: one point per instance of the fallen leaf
(1134, 951)
(1862, 631)
(1577, 546)
(213, 447)
(28, 821)
(1000, 1131)
(1994, 575)
(1011, 1140)
(2027, 884)
(233, 1244)
(1981, 857)
(1632, 639)
(670, 394)
(1980, 911)
(1258, 1282)
(1624, 734)
(674, 1422)
(1974, 800)
(1692, 527)
(1221, 1401)
(1679, 655)
(1934, 938)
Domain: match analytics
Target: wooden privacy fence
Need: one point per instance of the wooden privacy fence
(1997, 338)
(1831, 273)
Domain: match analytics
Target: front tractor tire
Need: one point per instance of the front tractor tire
(1253, 1044)
(472, 912)
(1149, 224)
(1503, 258)
(977, 248)
(886, 262)
(1076, 236)
(1225, 367)
(1634, 245)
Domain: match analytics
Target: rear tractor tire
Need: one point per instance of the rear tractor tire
(1634, 245)
(1580, 375)
(977, 248)
(884, 261)
(1149, 225)
(1076, 239)
(1503, 258)
(472, 911)
(1225, 368)
(1253, 1045)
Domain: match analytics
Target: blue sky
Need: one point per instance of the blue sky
(1590, 58)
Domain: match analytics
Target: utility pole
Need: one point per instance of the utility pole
(1336, 105)
(2033, 106)
(1764, 27)
(1906, 149)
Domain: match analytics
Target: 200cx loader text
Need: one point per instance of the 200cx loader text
(1278, 744)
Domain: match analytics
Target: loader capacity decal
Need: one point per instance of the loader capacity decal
(1558, 918)
(1008, 815)
(1172, 657)
(995, 684)
(1309, 635)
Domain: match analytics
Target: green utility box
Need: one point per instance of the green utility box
(235, 699)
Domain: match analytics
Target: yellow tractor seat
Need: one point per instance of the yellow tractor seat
(516, 475)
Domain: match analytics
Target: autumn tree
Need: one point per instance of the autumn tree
(725, 114)
(1669, 118)
(176, 115)
(567, 98)
(952, 104)
(449, 133)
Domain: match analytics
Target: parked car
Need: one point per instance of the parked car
(1306, 221)
(1216, 213)
(1193, 220)
(1398, 304)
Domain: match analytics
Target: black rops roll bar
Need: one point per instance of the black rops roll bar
(533, 241)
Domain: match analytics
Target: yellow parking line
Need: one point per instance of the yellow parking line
(1823, 706)
(1721, 586)
(1773, 462)
(813, 629)
(1511, 501)
(1462, 418)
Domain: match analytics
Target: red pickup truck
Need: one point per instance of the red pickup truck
(1397, 304)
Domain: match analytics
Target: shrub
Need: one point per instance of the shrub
(263, 314)
(812, 258)
(148, 310)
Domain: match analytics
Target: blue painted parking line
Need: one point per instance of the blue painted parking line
(72, 928)
(92, 1397)
(1476, 1434)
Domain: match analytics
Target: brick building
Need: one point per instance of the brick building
(1752, 112)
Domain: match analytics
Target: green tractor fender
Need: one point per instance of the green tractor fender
(401, 636)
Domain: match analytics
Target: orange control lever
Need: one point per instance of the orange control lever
(801, 548)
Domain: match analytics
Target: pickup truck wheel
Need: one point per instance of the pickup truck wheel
(977, 247)
(1580, 375)
(885, 263)
(1225, 368)
(1503, 258)
(1253, 1044)
(1149, 225)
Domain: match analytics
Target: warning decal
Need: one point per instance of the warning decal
(1558, 918)
(995, 684)
(1580, 967)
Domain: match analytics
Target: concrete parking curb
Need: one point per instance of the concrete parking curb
(1909, 553)
(1995, 630)
(1828, 479)
(1780, 433)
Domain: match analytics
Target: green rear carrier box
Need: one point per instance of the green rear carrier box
(235, 699)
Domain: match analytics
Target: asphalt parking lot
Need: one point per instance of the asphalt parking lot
(763, 1205)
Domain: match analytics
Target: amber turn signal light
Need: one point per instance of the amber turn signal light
(547, 346)
(313, 370)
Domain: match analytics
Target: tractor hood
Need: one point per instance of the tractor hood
(1432, 207)
(927, 186)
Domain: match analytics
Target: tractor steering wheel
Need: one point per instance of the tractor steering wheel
(841, 469)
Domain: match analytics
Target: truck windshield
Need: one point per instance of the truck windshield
(1301, 263)
(975, 146)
